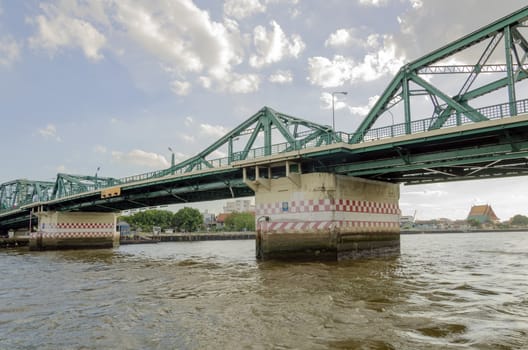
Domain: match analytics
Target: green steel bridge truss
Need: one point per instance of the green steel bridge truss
(499, 52)
(464, 96)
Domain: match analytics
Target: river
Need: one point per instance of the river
(445, 291)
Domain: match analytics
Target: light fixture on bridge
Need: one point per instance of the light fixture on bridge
(96, 172)
(333, 109)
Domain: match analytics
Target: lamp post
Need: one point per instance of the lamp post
(96, 171)
(333, 109)
(172, 160)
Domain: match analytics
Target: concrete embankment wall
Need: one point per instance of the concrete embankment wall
(183, 237)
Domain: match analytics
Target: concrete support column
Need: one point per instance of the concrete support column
(74, 230)
(326, 216)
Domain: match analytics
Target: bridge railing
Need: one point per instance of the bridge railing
(498, 111)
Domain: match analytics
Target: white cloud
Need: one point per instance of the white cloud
(375, 3)
(240, 9)
(188, 121)
(416, 3)
(326, 99)
(187, 138)
(50, 132)
(9, 51)
(61, 169)
(57, 29)
(341, 37)
(273, 46)
(332, 73)
(181, 88)
(216, 131)
(182, 36)
(100, 149)
(242, 83)
(352, 37)
(326, 73)
(233, 83)
(142, 158)
(281, 77)
(341, 103)
(363, 110)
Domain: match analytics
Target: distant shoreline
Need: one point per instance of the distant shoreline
(414, 232)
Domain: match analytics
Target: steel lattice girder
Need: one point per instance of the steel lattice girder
(67, 185)
(263, 122)
(505, 30)
(18, 193)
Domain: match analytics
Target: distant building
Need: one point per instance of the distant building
(239, 206)
(209, 219)
(220, 219)
(483, 214)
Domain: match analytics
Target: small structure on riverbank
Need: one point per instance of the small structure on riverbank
(482, 214)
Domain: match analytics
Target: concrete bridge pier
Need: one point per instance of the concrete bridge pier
(74, 230)
(324, 216)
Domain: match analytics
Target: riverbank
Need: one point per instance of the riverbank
(414, 232)
(202, 236)
(13, 242)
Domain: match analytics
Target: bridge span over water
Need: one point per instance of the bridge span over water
(337, 191)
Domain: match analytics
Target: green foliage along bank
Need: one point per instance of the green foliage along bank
(240, 222)
(186, 219)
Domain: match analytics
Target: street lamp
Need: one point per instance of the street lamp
(96, 184)
(333, 110)
(172, 160)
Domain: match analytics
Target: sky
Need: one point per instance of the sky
(111, 84)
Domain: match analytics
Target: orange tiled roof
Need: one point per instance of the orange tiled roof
(483, 210)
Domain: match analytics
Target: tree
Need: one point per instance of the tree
(146, 220)
(474, 223)
(188, 219)
(240, 222)
(519, 220)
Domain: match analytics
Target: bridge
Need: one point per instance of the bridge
(318, 185)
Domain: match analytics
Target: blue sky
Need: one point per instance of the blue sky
(114, 83)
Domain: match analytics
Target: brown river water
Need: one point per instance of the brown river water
(445, 291)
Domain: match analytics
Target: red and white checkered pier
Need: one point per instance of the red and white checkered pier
(74, 230)
(327, 216)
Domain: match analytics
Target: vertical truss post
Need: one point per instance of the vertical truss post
(230, 150)
(511, 76)
(406, 104)
(267, 133)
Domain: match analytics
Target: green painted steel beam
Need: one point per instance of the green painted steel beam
(472, 114)
(378, 107)
(490, 87)
(510, 74)
(416, 162)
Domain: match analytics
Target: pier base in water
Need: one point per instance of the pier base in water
(326, 216)
(74, 230)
